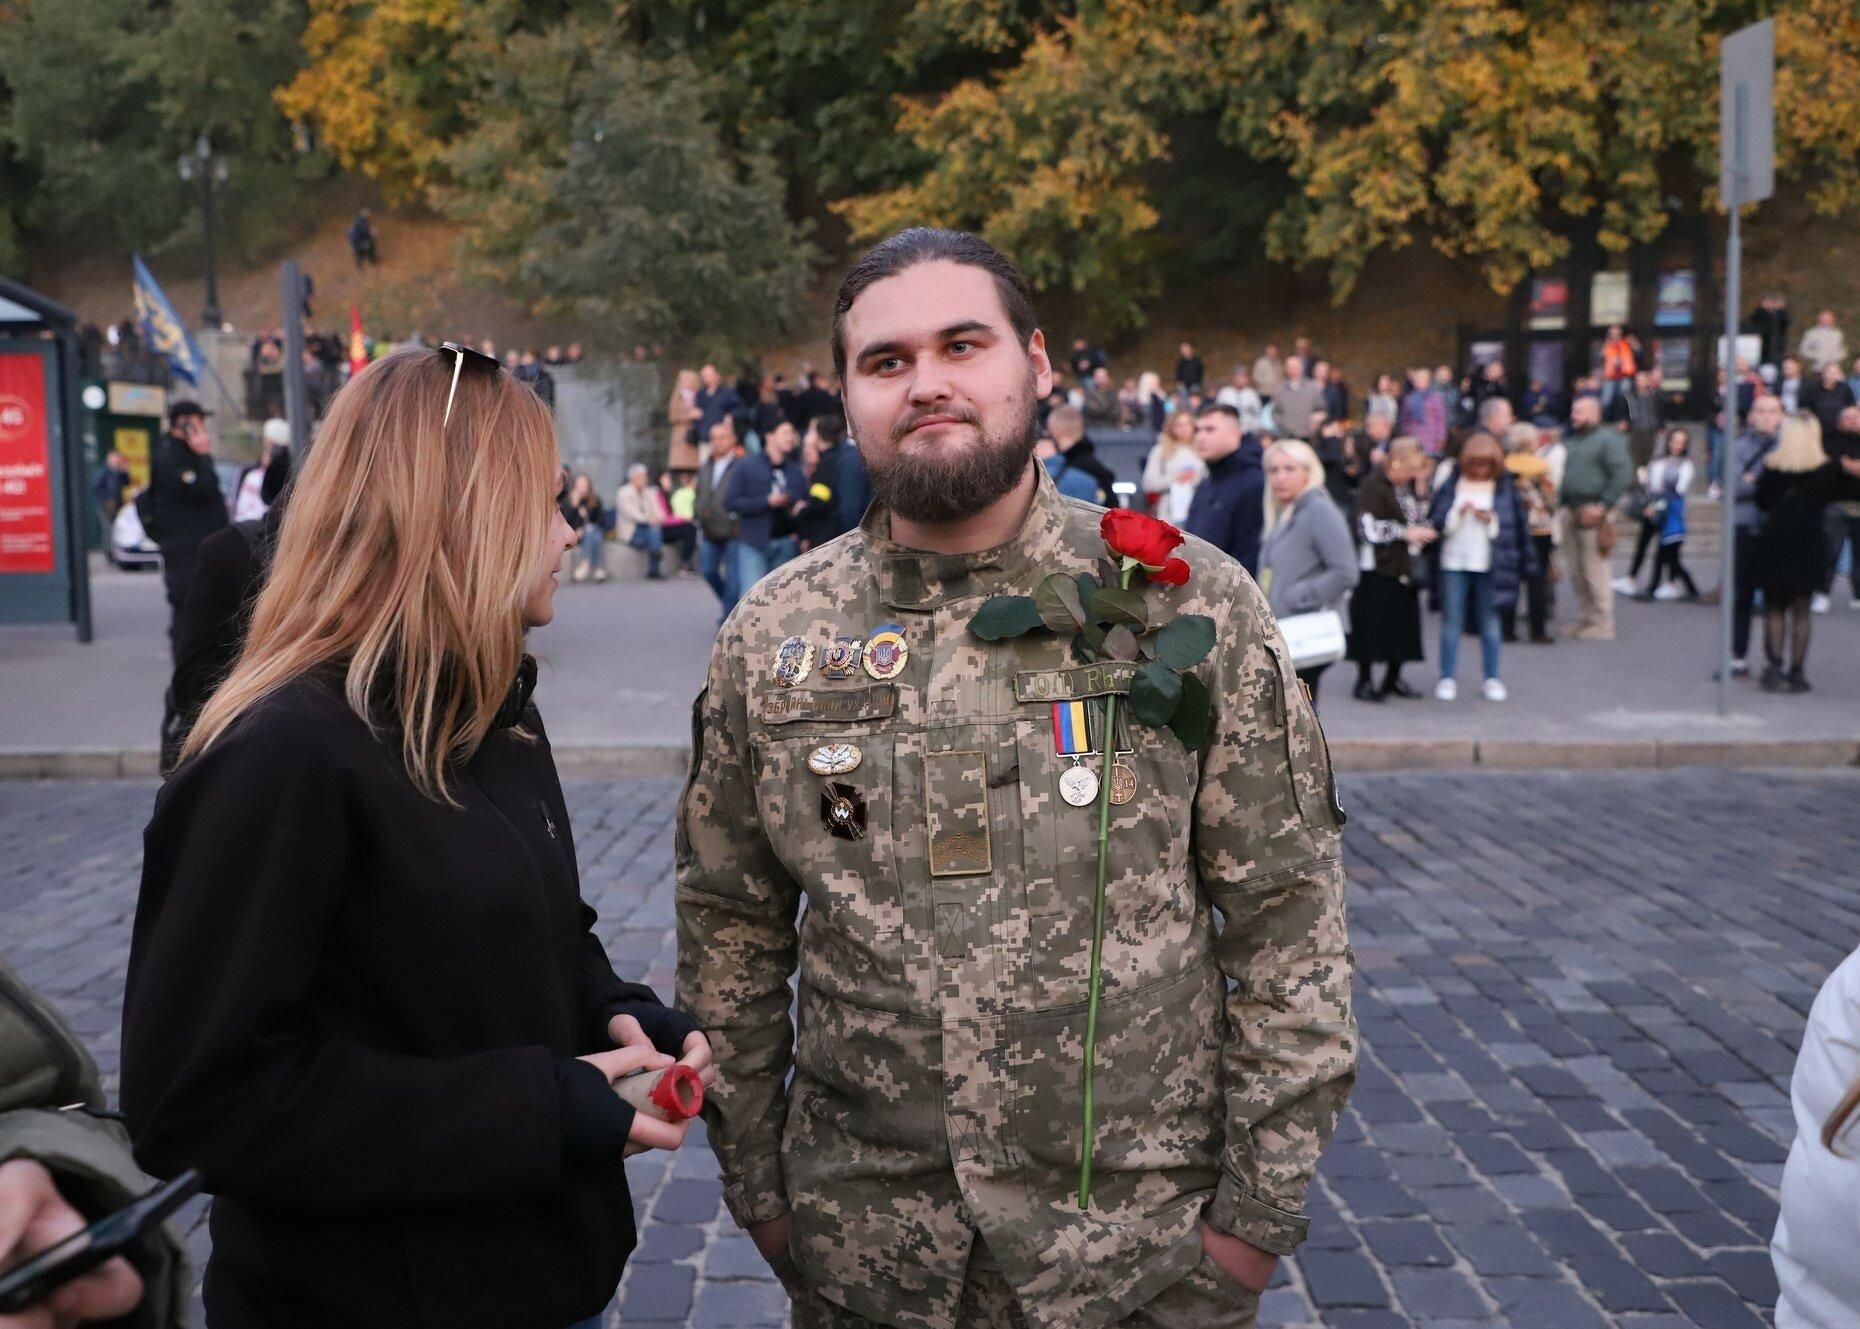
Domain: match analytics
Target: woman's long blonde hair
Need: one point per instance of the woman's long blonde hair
(1305, 455)
(1798, 446)
(407, 551)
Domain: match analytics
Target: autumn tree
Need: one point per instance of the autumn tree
(595, 184)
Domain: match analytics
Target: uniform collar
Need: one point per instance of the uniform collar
(915, 580)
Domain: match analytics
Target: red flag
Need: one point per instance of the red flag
(358, 343)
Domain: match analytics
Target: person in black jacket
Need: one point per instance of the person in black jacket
(184, 504)
(365, 998)
(1229, 507)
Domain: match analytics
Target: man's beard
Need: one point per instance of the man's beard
(935, 486)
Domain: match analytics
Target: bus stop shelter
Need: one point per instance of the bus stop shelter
(44, 574)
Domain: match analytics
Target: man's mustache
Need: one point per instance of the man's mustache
(916, 418)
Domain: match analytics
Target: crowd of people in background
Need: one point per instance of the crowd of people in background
(1463, 491)
(759, 469)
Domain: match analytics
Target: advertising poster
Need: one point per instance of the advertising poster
(1678, 292)
(1549, 303)
(27, 541)
(1608, 299)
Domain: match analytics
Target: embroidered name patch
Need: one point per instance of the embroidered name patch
(794, 704)
(1088, 680)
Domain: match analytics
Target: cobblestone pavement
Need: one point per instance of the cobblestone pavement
(1581, 997)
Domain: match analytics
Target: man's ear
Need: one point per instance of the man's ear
(1042, 363)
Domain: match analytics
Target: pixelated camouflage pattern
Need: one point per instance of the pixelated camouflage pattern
(936, 1073)
(1205, 1298)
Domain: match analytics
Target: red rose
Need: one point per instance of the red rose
(1172, 573)
(1144, 538)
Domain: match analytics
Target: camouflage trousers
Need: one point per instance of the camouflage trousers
(1205, 1299)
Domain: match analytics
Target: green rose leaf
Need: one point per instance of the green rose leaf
(1185, 642)
(1117, 604)
(1057, 601)
(1006, 616)
(1092, 635)
(1146, 645)
(1154, 693)
(1088, 586)
(1191, 718)
(1120, 643)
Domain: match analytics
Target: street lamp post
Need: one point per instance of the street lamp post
(210, 170)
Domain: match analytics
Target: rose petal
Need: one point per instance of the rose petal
(1172, 573)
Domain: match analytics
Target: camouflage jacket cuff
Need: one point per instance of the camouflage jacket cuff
(756, 1193)
(1237, 1211)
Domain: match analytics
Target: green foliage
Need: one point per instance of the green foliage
(1005, 616)
(596, 184)
(1154, 694)
(1185, 641)
(102, 97)
(1193, 713)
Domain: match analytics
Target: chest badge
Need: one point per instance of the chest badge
(840, 661)
(834, 759)
(1123, 781)
(842, 811)
(886, 654)
(1078, 783)
(793, 660)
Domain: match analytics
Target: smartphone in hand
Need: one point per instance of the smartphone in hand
(28, 1284)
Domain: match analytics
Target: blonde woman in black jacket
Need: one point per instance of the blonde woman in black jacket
(365, 998)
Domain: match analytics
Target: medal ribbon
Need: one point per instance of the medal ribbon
(1071, 729)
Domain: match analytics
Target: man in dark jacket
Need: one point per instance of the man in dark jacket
(764, 487)
(716, 400)
(1229, 506)
(184, 504)
(1077, 470)
(716, 526)
(826, 515)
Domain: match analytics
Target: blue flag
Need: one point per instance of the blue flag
(162, 328)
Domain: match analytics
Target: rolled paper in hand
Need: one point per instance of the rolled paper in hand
(674, 1094)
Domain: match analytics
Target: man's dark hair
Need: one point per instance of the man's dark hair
(830, 428)
(1217, 408)
(928, 244)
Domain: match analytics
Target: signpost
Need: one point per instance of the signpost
(1746, 174)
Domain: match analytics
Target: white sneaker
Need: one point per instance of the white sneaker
(1494, 690)
(1624, 586)
(1668, 592)
(1446, 690)
(1818, 605)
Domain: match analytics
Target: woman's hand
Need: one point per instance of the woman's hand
(648, 1132)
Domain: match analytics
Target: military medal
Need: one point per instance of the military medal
(840, 661)
(793, 661)
(843, 811)
(1078, 783)
(834, 759)
(1123, 780)
(885, 652)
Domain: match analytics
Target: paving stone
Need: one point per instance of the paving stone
(1750, 1274)
(1342, 1278)
(1406, 1242)
(1500, 1249)
(1618, 1285)
(1712, 1305)
(1432, 1295)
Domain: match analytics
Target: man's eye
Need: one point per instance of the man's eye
(960, 347)
(888, 364)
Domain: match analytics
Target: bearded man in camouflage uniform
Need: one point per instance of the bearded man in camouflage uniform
(859, 749)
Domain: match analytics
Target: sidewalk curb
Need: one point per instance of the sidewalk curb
(615, 761)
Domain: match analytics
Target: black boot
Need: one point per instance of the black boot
(1772, 680)
(1795, 681)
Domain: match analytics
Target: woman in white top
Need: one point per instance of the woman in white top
(1818, 1231)
(1174, 468)
(1485, 551)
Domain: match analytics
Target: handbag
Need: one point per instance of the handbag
(1314, 639)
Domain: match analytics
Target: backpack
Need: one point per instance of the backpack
(52, 1111)
(147, 512)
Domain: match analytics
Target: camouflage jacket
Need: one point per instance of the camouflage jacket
(944, 953)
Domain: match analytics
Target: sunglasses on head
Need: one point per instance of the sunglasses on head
(464, 355)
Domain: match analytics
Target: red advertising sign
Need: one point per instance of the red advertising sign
(26, 526)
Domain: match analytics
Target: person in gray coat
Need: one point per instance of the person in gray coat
(1307, 560)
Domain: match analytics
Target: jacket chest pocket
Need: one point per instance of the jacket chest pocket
(828, 806)
(1146, 837)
